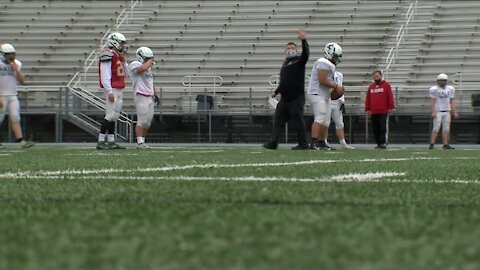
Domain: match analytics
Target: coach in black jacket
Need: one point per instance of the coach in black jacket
(292, 91)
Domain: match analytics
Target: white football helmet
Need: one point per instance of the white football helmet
(116, 40)
(442, 77)
(143, 54)
(332, 49)
(7, 48)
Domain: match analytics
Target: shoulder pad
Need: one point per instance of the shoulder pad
(106, 56)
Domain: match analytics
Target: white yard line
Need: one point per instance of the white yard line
(199, 166)
(372, 177)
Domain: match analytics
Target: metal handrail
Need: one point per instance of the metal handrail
(402, 34)
(96, 101)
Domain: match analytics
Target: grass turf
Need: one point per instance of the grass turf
(58, 212)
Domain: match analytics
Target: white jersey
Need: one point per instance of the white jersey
(314, 87)
(142, 82)
(442, 97)
(8, 79)
(338, 80)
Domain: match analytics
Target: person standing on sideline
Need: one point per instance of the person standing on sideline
(292, 91)
(141, 74)
(443, 104)
(322, 83)
(10, 76)
(379, 103)
(338, 108)
(111, 72)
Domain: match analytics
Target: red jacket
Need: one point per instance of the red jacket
(379, 98)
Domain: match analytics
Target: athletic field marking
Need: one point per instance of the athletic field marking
(143, 152)
(199, 166)
(371, 177)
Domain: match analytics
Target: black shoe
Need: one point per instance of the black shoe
(381, 146)
(314, 145)
(114, 146)
(300, 147)
(270, 145)
(431, 146)
(448, 147)
(325, 147)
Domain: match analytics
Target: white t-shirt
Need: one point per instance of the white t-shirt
(8, 79)
(338, 80)
(314, 87)
(142, 82)
(442, 97)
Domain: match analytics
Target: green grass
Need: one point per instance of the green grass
(54, 216)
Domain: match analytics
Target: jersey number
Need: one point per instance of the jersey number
(120, 69)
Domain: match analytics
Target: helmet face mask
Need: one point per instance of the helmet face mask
(333, 52)
(143, 54)
(116, 40)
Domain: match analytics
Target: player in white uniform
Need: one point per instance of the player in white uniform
(443, 104)
(140, 72)
(338, 106)
(10, 76)
(321, 84)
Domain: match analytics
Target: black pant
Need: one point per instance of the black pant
(292, 112)
(379, 126)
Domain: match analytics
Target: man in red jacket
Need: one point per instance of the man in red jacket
(379, 103)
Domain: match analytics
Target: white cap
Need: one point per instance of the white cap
(442, 77)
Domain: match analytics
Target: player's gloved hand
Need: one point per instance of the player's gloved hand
(156, 99)
(342, 108)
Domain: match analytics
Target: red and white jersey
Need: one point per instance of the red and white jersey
(111, 70)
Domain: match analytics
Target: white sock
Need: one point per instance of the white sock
(111, 138)
(140, 140)
(101, 137)
(343, 142)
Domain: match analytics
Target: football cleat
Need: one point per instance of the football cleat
(448, 147)
(26, 144)
(346, 146)
(114, 146)
(101, 146)
(142, 146)
(431, 146)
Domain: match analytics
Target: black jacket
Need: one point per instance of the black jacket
(292, 76)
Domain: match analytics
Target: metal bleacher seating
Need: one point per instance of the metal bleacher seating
(443, 38)
(243, 42)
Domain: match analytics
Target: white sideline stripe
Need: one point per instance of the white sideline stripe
(199, 166)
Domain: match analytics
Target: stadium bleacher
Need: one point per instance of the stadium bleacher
(243, 42)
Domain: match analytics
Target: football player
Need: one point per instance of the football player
(10, 76)
(140, 72)
(338, 107)
(443, 104)
(111, 72)
(322, 82)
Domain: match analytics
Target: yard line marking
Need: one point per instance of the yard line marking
(152, 150)
(200, 166)
(372, 177)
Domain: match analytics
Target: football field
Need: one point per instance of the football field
(239, 208)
